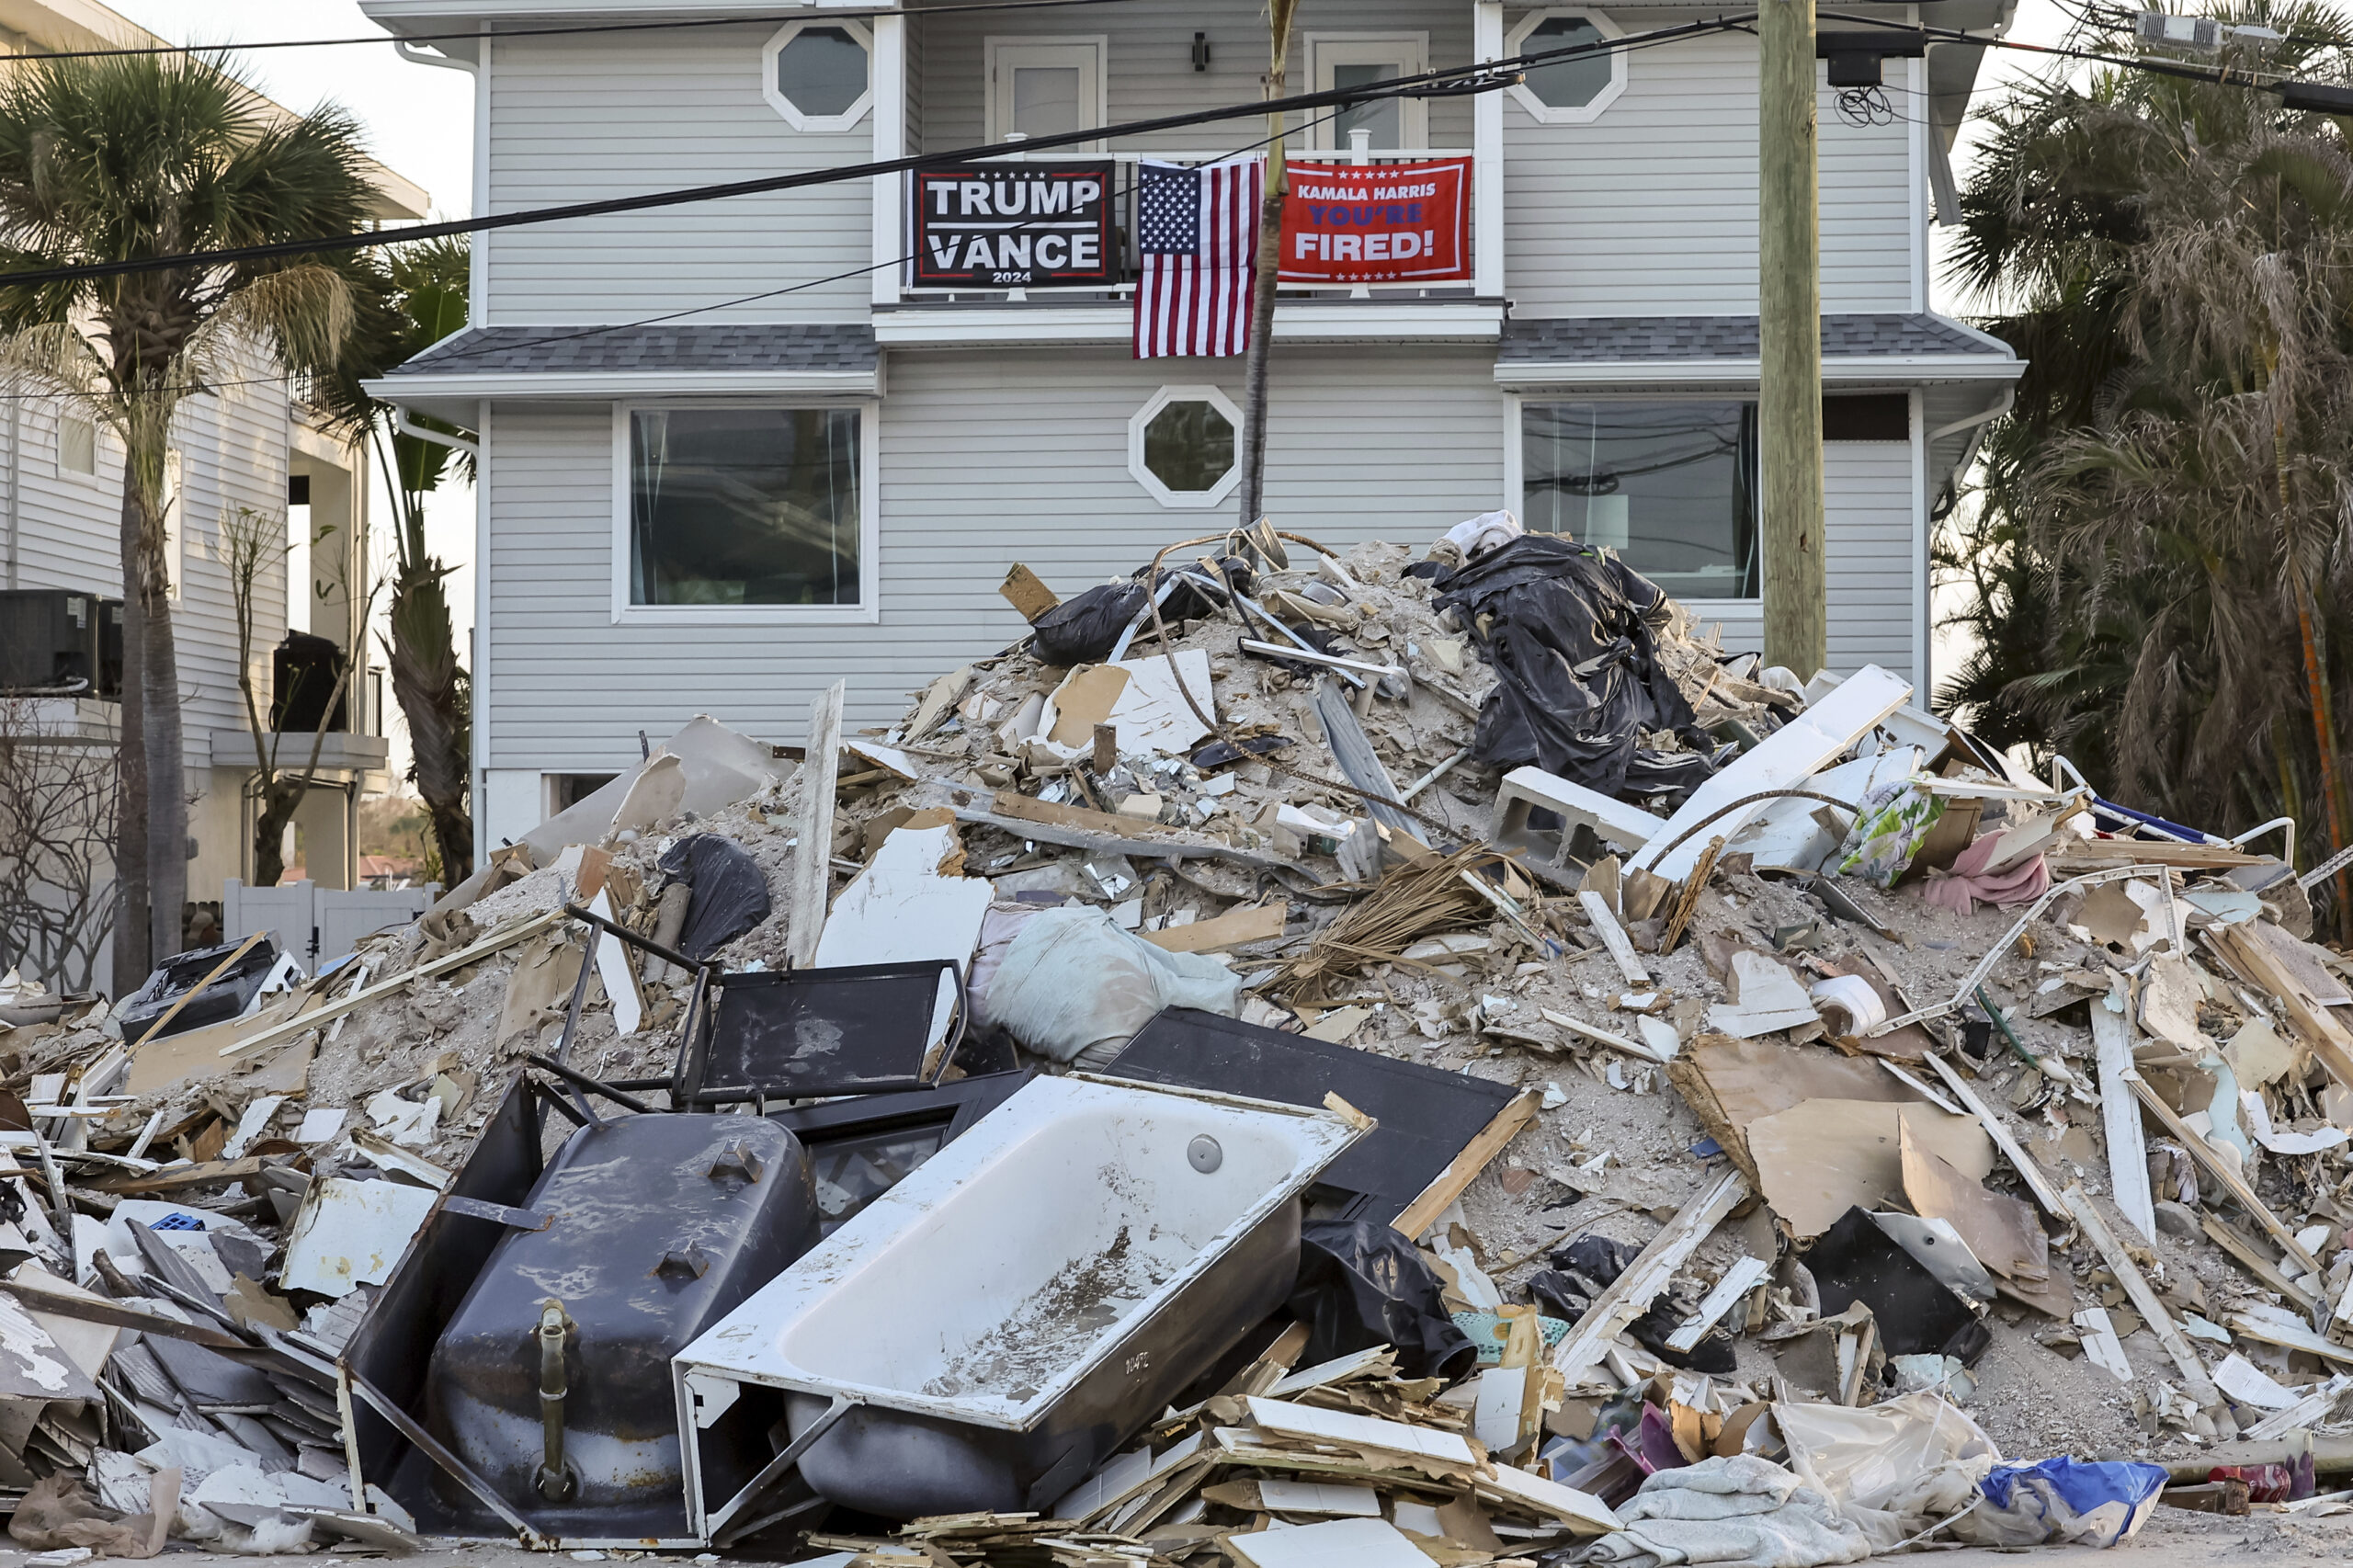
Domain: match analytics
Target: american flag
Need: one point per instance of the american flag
(1197, 230)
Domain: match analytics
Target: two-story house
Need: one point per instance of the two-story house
(253, 445)
(732, 450)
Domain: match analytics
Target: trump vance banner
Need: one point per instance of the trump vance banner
(1378, 222)
(1013, 225)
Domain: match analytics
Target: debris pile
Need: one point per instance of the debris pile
(1303, 1057)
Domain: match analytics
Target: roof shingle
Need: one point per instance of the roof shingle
(748, 347)
(1613, 339)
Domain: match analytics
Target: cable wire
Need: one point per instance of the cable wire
(1486, 76)
(779, 20)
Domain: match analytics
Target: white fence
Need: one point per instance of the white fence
(317, 924)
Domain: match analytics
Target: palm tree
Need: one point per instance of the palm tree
(2164, 538)
(121, 158)
(415, 298)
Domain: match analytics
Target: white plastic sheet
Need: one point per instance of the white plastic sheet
(1072, 978)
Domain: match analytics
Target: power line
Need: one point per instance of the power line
(1460, 80)
(780, 19)
(508, 346)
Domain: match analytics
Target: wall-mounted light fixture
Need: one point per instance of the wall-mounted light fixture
(1201, 52)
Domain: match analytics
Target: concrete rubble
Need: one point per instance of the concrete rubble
(1830, 1138)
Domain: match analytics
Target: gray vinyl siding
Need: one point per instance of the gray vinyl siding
(986, 460)
(1149, 63)
(589, 118)
(233, 455)
(1651, 208)
(1867, 526)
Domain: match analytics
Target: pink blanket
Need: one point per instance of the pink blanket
(1968, 884)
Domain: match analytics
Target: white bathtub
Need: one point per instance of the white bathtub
(1009, 1315)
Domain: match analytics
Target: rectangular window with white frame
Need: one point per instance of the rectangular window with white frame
(1670, 487)
(743, 513)
(77, 444)
(1340, 61)
(1046, 86)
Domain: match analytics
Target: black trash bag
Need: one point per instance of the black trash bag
(1361, 1285)
(1083, 628)
(1712, 1355)
(1569, 632)
(1556, 1295)
(1189, 600)
(730, 896)
(1596, 1259)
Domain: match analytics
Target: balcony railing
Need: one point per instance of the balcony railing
(902, 291)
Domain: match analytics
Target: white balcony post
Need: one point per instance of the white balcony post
(889, 115)
(1487, 159)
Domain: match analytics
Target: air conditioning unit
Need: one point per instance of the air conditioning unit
(54, 641)
(2179, 32)
(306, 672)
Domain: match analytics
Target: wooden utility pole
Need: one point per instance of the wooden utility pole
(1788, 287)
(1262, 297)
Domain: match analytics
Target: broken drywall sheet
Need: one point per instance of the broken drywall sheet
(2169, 998)
(2257, 1055)
(1797, 833)
(1765, 998)
(1138, 698)
(901, 909)
(1784, 760)
(2001, 1232)
(1821, 1158)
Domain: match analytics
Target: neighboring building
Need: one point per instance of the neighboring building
(801, 467)
(251, 444)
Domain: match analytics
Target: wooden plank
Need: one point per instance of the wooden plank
(90, 1308)
(2262, 1267)
(1602, 1037)
(812, 854)
(2038, 1181)
(2091, 854)
(193, 992)
(2252, 959)
(179, 1179)
(1613, 936)
(1465, 1168)
(1026, 808)
(1026, 594)
(2128, 1152)
(497, 941)
(1744, 1275)
(2203, 1152)
(1106, 844)
(1230, 930)
(2200, 1387)
(2248, 1327)
(1630, 1295)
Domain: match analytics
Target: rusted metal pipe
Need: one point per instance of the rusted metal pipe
(554, 1481)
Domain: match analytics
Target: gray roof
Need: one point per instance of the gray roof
(750, 347)
(1617, 339)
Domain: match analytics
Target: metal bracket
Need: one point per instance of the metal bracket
(774, 1470)
(408, 1426)
(482, 1209)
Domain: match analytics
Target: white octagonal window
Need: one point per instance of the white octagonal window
(819, 75)
(1185, 445)
(1576, 89)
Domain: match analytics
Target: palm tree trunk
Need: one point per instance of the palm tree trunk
(1262, 287)
(166, 766)
(2325, 738)
(430, 688)
(130, 939)
(167, 788)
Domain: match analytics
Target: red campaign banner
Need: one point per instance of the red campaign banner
(1378, 224)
